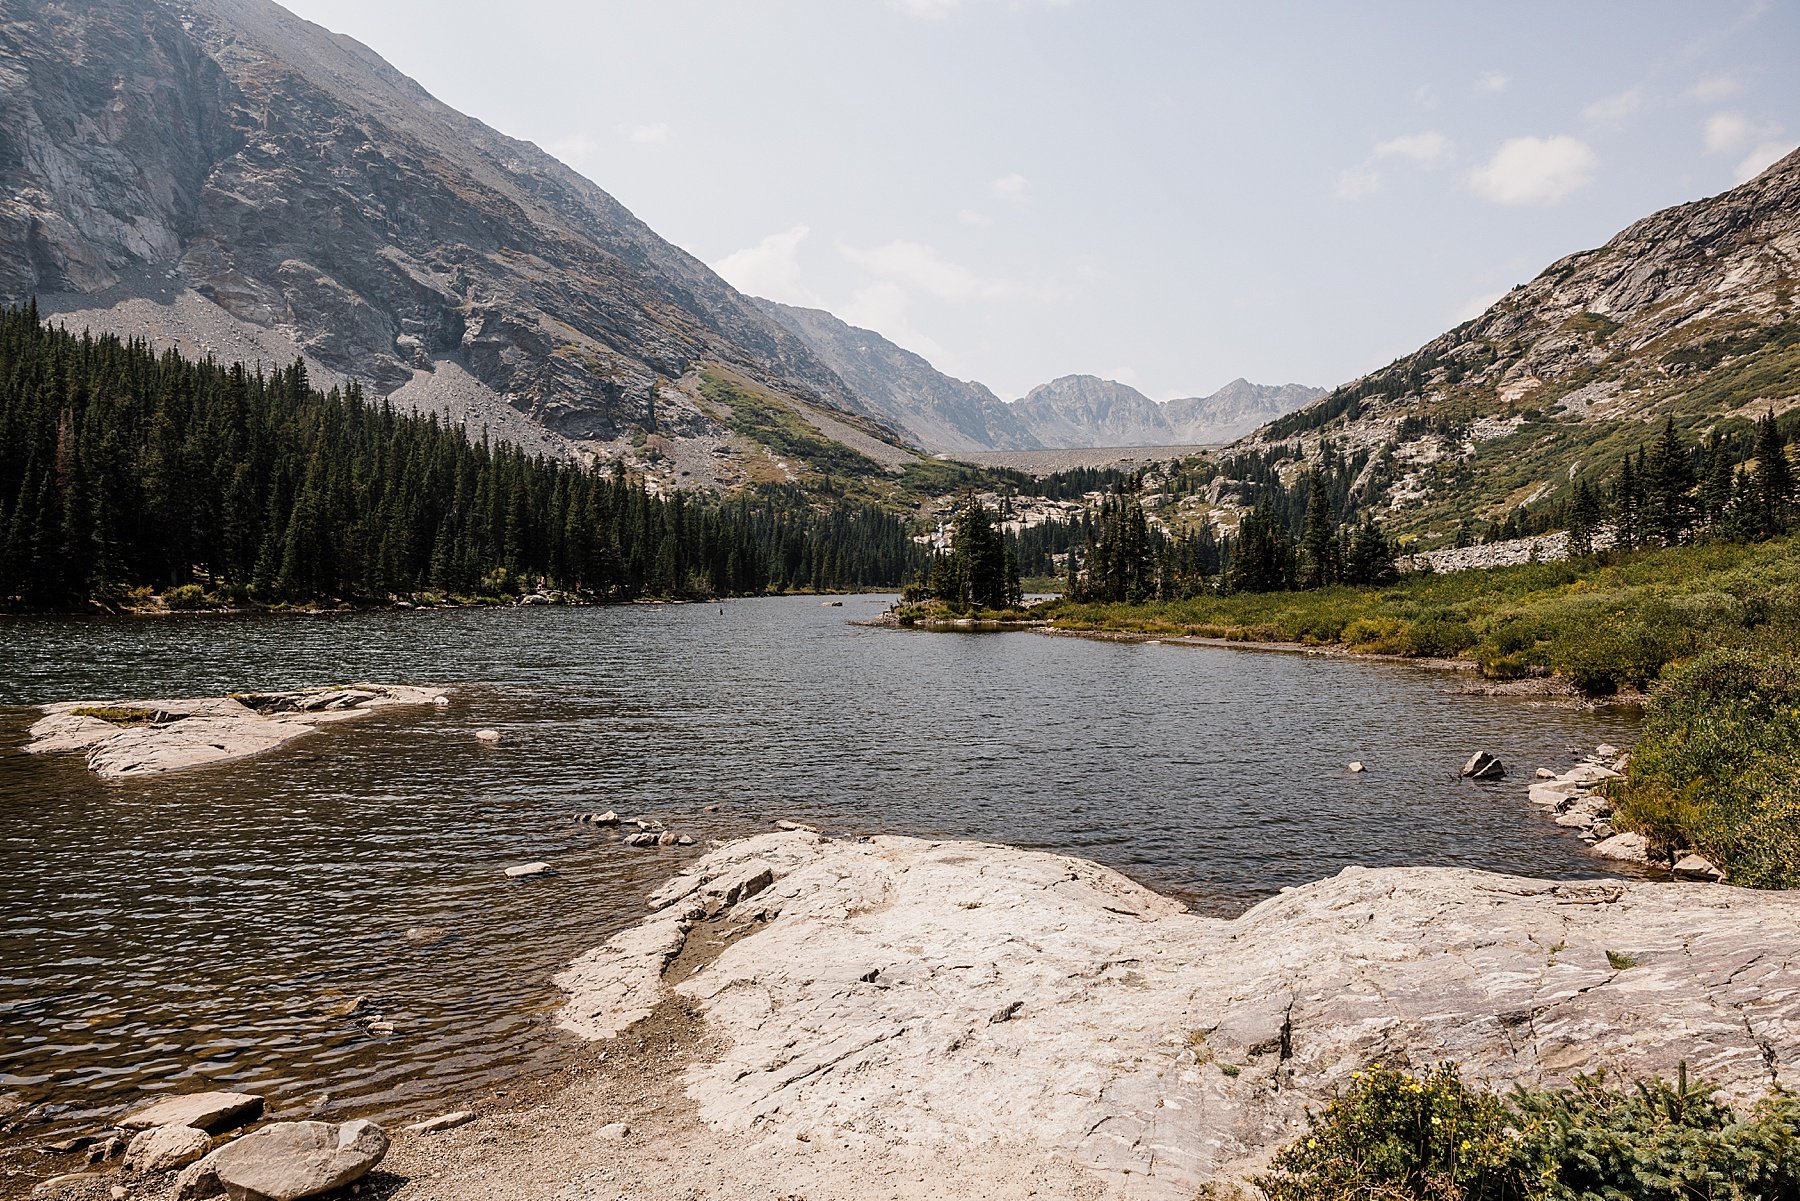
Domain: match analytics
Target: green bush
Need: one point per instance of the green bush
(1394, 1136)
(1715, 766)
(1439, 638)
(186, 596)
(1378, 635)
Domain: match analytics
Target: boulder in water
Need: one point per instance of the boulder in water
(1483, 766)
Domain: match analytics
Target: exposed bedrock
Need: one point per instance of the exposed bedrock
(919, 993)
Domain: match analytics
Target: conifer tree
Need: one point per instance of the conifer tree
(1774, 476)
(1666, 481)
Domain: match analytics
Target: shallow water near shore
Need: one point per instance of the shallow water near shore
(216, 926)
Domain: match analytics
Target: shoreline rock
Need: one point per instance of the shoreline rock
(123, 739)
(858, 992)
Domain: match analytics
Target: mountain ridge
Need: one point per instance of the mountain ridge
(947, 415)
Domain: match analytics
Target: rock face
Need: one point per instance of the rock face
(287, 1161)
(943, 996)
(225, 175)
(171, 735)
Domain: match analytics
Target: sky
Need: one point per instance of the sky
(1171, 194)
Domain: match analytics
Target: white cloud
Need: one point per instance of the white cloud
(1355, 183)
(921, 268)
(1761, 157)
(1012, 186)
(1493, 82)
(1425, 96)
(1728, 132)
(655, 131)
(1714, 88)
(972, 217)
(1534, 170)
(1427, 147)
(770, 268)
(1616, 107)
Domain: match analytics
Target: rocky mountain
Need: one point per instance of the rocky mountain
(222, 176)
(939, 412)
(1691, 313)
(945, 414)
(1085, 410)
(1234, 410)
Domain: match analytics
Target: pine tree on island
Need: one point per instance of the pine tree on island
(979, 570)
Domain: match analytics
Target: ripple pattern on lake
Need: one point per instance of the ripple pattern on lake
(216, 925)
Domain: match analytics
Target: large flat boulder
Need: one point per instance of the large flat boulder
(212, 1111)
(287, 1161)
(945, 996)
(121, 739)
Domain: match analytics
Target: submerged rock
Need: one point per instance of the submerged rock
(135, 738)
(529, 869)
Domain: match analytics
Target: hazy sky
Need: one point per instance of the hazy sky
(1170, 194)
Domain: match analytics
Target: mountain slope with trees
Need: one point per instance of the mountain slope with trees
(1688, 318)
(122, 469)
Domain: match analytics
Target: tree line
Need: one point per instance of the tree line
(121, 468)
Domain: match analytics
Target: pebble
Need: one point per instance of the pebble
(529, 869)
(487, 736)
(613, 1131)
(1356, 765)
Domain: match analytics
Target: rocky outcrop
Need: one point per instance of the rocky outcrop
(230, 165)
(138, 738)
(948, 997)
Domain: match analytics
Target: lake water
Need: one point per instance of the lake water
(214, 926)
